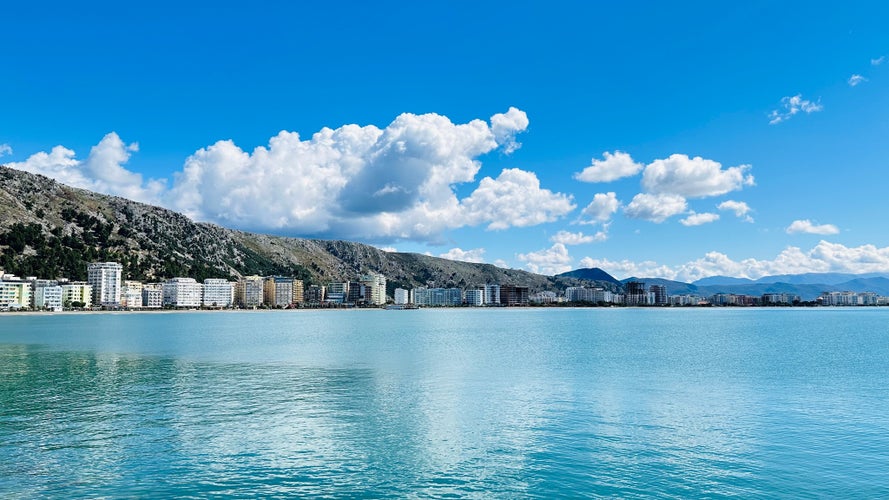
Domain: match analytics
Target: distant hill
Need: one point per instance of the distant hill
(590, 274)
(50, 230)
(816, 278)
(722, 280)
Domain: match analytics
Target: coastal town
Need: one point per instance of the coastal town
(105, 289)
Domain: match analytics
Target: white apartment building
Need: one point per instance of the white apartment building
(77, 291)
(105, 278)
(47, 295)
(474, 297)
(218, 292)
(401, 296)
(182, 292)
(492, 295)
(377, 284)
(152, 295)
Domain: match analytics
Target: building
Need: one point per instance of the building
(298, 292)
(658, 295)
(359, 294)
(131, 294)
(15, 293)
(376, 283)
(249, 291)
(46, 294)
(402, 296)
(337, 292)
(636, 294)
(218, 292)
(544, 297)
(315, 294)
(437, 297)
(77, 294)
(278, 291)
(182, 292)
(511, 295)
(152, 295)
(105, 278)
(779, 299)
(474, 297)
(491, 295)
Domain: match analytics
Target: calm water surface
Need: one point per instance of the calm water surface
(447, 403)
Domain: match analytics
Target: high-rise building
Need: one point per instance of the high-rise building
(152, 295)
(278, 291)
(376, 282)
(218, 292)
(105, 278)
(315, 294)
(249, 291)
(492, 295)
(46, 294)
(660, 294)
(401, 296)
(636, 294)
(474, 297)
(337, 292)
(512, 295)
(298, 292)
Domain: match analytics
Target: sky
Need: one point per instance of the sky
(676, 140)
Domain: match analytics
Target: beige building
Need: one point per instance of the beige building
(298, 291)
(77, 291)
(131, 294)
(278, 291)
(248, 293)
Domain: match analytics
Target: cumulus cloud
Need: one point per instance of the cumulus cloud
(102, 171)
(806, 226)
(693, 177)
(549, 261)
(603, 206)
(696, 219)
(505, 126)
(878, 61)
(475, 255)
(740, 208)
(792, 105)
(823, 258)
(5, 149)
(514, 198)
(856, 79)
(569, 238)
(655, 207)
(614, 166)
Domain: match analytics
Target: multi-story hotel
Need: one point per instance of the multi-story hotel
(298, 291)
(105, 278)
(182, 292)
(46, 294)
(77, 292)
(401, 296)
(376, 282)
(218, 292)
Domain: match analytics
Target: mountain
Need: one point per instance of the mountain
(50, 230)
(673, 287)
(817, 278)
(721, 280)
(590, 274)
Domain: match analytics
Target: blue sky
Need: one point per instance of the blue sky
(746, 139)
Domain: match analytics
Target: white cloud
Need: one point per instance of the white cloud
(699, 219)
(389, 249)
(655, 207)
(550, 261)
(740, 208)
(878, 61)
(474, 255)
(5, 149)
(603, 206)
(569, 238)
(505, 126)
(614, 166)
(693, 177)
(514, 199)
(792, 105)
(501, 263)
(806, 226)
(823, 258)
(102, 171)
(856, 79)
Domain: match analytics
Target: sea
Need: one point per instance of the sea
(447, 403)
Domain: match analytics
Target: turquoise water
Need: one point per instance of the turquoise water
(679, 403)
